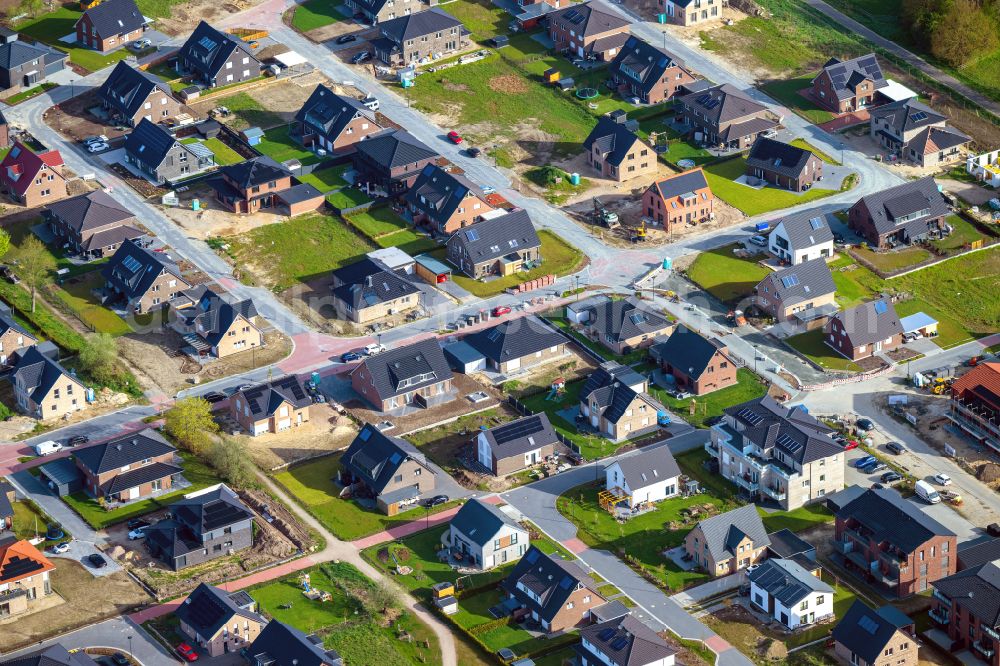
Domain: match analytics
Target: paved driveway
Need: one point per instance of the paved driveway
(88, 539)
(115, 634)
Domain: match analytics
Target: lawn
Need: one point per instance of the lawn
(813, 346)
(77, 295)
(786, 91)
(224, 155)
(299, 249)
(854, 285)
(802, 143)
(326, 179)
(377, 221)
(30, 92)
(482, 20)
(964, 233)
(314, 14)
(678, 149)
(592, 447)
(558, 258)
(347, 197)
(721, 177)
(748, 387)
(409, 242)
(278, 144)
(950, 332)
(312, 485)
(248, 112)
(895, 260)
(196, 472)
(726, 276)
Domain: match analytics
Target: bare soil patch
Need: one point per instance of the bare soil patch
(509, 84)
(212, 219)
(457, 87)
(283, 98)
(184, 17)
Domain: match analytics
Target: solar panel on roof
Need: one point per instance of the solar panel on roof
(638, 318)
(205, 614)
(131, 263)
(20, 566)
(472, 235)
(365, 434)
(517, 429)
(816, 223)
(218, 514)
(605, 634)
(619, 644)
(566, 583)
(917, 117)
(868, 624)
(881, 307)
(750, 416)
(531, 557)
(790, 280)
(206, 43)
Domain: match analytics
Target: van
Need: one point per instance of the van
(926, 492)
(371, 102)
(47, 448)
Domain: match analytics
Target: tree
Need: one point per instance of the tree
(964, 33)
(34, 264)
(4, 243)
(190, 422)
(99, 357)
(381, 599)
(230, 458)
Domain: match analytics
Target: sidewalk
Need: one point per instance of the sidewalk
(414, 526)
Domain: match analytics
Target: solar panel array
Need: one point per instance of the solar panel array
(619, 644)
(472, 235)
(131, 263)
(19, 566)
(750, 416)
(917, 117)
(517, 429)
(868, 624)
(868, 65)
(606, 634)
(207, 612)
(817, 223)
(220, 514)
(790, 444)
(790, 280)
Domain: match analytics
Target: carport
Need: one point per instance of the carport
(431, 270)
(919, 322)
(61, 476)
(462, 357)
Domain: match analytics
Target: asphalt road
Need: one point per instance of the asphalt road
(113, 633)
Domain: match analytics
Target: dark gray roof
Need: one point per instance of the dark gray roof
(417, 25)
(745, 128)
(255, 171)
(111, 18)
(722, 103)
(149, 143)
(53, 655)
(479, 521)
(133, 269)
(16, 53)
(114, 236)
(612, 138)
(265, 399)
(977, 590)
(61, 471)
(687, 350)
(607, 374)
(643, 63)
(368, 283)
(806, 229)
(169, 539)
(616, 398)
(610, 611)
(121, 451)
(787, 581)
(845, 75)
(7, 322)
(864, 631)
(395, 148)
(280, 644)
(38, 373)
(602, 44)
(619, 320)
(649, 466)
(211, 509)
(439, 193)
(790, 430)
(208, 609)
(972, 554)
(214, 314)
(6, 508)
(329, 113)
(725, 531)
(687, 183)
(496, 237)
(933, 139)
(208, 49)
(588, 18)
(785, 543)
(870, 322)
(138, 476)
(778, 157)
(518, 437)
(127, 88)
(298, 193)
(89, 211)
(892, 519)
(406, 368)
(515, 338)
(906, 115)
(551, 578)
(799, 283)
(625, 641)
(915, 196)
(374, 457)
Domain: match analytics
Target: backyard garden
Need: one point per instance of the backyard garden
(710, 406)
(752, 201)
(729, 273)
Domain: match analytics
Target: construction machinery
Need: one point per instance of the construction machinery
(941, 385)
(736, 318)
(603, 216)
(637, 234)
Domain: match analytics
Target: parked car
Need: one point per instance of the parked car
(97, 147)
(867, 460)
(8, 274)
(751, 568)
(139, 45)
(187, 652)
(890, 477)
(877, 466)
(360, 57)
(348, 357)
(347, 39)
(97, 560)
(375, 348)
(76, 440)
(435, 501)
(47, 448)
(371, 102)
(757, 239)
(136, 523)
(138, 533)
(95, 139)
(214, 396)
(942, 479)
(865, 425)
(473, 152)
(848, 444)
(60, 548)
(501, 310)
(118, 659)
(454, 137)
(895, 447)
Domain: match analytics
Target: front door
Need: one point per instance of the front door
(133, 493)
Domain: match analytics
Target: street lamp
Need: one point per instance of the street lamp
(755, 359)
(130, 655)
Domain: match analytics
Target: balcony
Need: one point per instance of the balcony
(943, 599)
(856, 535)
(940, 615)
(775, 493)
(846, 546)
(744, 481)
(985, 649)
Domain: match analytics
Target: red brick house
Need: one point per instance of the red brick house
(848, 85)
(554, 592)
(699, 365)
(864, 330)
(110, 25)
(975, 404)
(644, 71)
(128, 467)
(966, 605)
(334, 122)
(684, 198)
(32, 179)
(445, 202)
(261, 183)
(587, 31)
(784, 165)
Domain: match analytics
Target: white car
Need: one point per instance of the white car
(751, 568)
(942, 479)
(60, 548)
(372, 349)
(98, 147)
(758, 240)
(141, 44)
(138, 533)
(95, 139)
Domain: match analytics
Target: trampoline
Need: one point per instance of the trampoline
(587, 93)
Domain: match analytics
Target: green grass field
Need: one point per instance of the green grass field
(314, 14)
(278, 145)
(896, 260)
(376, 222)
(802, 143)
(725, 275)
(813, 346)
(964, 234)
(409, 242)
(721, 178)
(224, 155)
(327, 179)
(748, 386)
(29, 93)
(347, 197)
(79, 298)
(786, 91)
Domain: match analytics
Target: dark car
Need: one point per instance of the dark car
(877, 467)
(214, 396)
(136, 523)
(360, 57)
(8, 274)
(895, 447)
(118, 659)
(97, 560)
(435, 501)
(993, 529)
(76, 440)
(890, 477)
(474, 152)
(347, 39)
(349, 357)
(866, 425)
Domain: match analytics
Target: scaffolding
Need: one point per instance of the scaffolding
(609, 499)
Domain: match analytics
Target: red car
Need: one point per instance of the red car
(454, 137)
(501, 310)
(849, 444)
(187, 652)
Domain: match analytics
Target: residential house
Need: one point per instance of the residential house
(649, 476)
(728, 542)
(43, 388)
(24, 575)
(892, 544)
(648, 73)
(218, 621)
(219, 324)
(517, 344)
(800, 237)
(684, 198)
(215, 58)
(966, 606)
(415, 375)
(864, 330)
(900, 215)
(512, 447)
(129, 467)
(975, 403)
(777, 453)
(376, 11)
(553, 592)
(385, 468)
(616, 152)
(610, 372)
(445, 202)
(368, 291)
(334, 122)
(485, 536)
(849, 85)
(156, 154)
(623, 641)
(875, 637)
(139, 281)
(420, 37)
(790, 594)
(110, 25)
(617, 411)
(784, 165)
(786, 544)
(23, 65)
(32, 179)
(917, 133)
(13, 336)
(588, 30)
(53, 655)
(804, 293)
(699, 365)
(273, 406)
(725, 117)
(978, 551)
(130, 94)
(692, 12)
(390, 162)
(259, 184)
(92, 225)
(203, 525)
(7, 498)
(280, 644)
(502, 245)
(623, 325)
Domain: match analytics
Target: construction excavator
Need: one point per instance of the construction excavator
(603, 216)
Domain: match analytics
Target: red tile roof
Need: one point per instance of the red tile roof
(986, 375)
(15, 558)
(20, 167)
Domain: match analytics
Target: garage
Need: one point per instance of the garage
(284, 424)
(462, 357)
(61, 476)
(918, 324)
